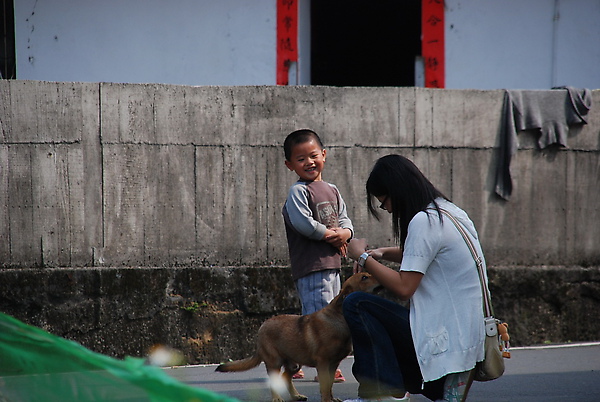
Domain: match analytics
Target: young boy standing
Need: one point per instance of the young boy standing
(317, 225)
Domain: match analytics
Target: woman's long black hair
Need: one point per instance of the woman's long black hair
(407, 188)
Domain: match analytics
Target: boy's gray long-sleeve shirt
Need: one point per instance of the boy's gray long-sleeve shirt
(310, 209)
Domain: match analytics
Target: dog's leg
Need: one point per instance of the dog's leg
(326, 372)
(275, 382)
(288, 372)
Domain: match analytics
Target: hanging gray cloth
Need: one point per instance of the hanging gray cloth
(551, 112)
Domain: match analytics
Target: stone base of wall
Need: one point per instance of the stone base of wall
(547, 304)
(213, 314)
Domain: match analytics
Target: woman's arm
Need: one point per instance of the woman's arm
(392, 254)
(402, 283)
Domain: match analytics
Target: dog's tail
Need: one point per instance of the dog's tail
(240, 365)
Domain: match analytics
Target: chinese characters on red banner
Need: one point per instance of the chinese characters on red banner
(432, 19)
(287, 38)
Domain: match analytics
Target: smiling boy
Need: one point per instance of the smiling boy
(316, 222)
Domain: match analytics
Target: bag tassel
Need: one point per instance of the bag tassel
(505, 338)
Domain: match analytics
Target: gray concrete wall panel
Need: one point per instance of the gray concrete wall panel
(587, 137)
(51, 216)
(210, 234)
(44, 112)
(366, 117)
(461, 119)
(582, 207)
(125, 172)
(23, 249)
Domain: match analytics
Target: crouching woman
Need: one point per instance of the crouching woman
(431, 347)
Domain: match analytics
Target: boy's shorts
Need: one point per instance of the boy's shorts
(317, 289)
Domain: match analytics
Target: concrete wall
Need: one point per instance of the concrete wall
(213, 314)
(151, 175)
(210, 314)
(121, 204)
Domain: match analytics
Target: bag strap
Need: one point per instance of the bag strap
(487, 301)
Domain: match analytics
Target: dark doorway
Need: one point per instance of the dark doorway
(365, 43)
(8, 67)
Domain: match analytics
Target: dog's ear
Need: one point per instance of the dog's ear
(339, 299)
(346, 290)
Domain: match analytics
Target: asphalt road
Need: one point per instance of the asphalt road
(548, 373)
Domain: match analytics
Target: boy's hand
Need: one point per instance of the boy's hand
(344, 250)
(337, 237)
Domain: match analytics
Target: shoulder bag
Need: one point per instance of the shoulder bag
(496, 349)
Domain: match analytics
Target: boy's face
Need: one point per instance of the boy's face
(307, 160)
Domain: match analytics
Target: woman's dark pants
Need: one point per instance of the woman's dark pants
(385, 362)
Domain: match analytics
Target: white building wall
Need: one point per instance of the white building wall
(187, 42)
(490, 44)
(533, 44)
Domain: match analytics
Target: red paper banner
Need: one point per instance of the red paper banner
(287, 38)
(432, 45)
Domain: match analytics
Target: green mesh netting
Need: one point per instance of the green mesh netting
(38, 366)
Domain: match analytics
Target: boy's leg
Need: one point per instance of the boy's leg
(317, 289)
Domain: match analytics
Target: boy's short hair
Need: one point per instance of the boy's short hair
(299, 137)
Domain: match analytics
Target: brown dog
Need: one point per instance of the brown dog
(321, 340)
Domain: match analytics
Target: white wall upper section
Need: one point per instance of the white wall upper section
(534, 44)
(490, 44)
(187, 42)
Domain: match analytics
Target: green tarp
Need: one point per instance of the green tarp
(38, 366)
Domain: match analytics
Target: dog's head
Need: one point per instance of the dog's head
(360, 282)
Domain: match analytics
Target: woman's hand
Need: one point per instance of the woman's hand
(356, 247)
(393, 254)
(361, 247)
(376, 253)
